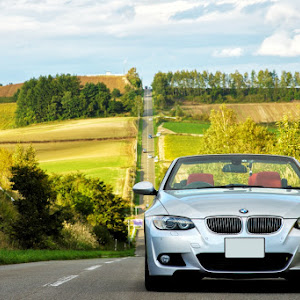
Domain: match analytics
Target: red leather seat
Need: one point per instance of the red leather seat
(268, 179)
(204, 177)
(251, 179)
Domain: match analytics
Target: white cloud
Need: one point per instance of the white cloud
(281, 44)
(284, 13)
(284, 40)
(228, 52)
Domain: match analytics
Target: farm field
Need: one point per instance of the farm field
(101, 128)
(258, 112)
(108, 159)
(7, 115)
(180, 145)
(192, 128)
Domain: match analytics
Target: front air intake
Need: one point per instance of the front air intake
(263, 225)
(225, 225)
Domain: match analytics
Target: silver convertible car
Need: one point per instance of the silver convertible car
(234, 215)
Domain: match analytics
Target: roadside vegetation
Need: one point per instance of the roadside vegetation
(56, 212)
(24, 256)
(57, 195)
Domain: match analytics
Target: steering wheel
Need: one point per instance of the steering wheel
(197, 184)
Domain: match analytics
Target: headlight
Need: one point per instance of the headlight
(172, 223)
(297, 224)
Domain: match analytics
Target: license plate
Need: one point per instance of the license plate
(244, 247)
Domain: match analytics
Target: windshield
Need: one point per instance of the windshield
(234, 170)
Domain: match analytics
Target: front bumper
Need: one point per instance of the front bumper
(203, 251)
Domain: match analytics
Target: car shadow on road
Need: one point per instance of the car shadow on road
(254, 286)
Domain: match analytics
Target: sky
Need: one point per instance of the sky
(83, 37)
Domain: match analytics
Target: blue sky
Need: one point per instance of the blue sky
(81, 37)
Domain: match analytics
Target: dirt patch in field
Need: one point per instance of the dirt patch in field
(111, 81)
(258, 112)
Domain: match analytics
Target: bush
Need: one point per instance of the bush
(103, 235)
(78, 236)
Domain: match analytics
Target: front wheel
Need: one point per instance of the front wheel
(151, 282)
(154, 283)
(293, 277)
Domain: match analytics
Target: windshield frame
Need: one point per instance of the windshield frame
(214, 158)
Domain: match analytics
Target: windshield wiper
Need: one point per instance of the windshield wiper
(237, 185)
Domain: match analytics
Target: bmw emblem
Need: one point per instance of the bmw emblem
(243, 210)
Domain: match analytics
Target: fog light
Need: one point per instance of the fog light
(165, 259)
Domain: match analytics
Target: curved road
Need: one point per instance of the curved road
(123, 278)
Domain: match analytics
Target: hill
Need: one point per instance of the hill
(111, 81)
(103, 148)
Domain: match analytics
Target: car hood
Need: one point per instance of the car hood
(213, 202)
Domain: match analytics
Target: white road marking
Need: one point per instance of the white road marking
(62, 280)
(92, 268)
(109, 262)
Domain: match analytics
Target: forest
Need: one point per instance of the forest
(219, 87)
(62, 97)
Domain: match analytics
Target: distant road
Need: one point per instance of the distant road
(148, 144)
(124, 278)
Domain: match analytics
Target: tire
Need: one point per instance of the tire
(151, 282)
(293, 277)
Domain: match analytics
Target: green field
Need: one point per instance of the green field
(108, 160)
(7, 115)
(180, 127)
(181, 145)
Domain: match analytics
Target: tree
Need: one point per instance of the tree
(226, 135)
(134, 79)
(288, 142)
(37, 222)
(116, 93)
(92, 201)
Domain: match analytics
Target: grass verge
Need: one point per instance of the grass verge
(24, 256)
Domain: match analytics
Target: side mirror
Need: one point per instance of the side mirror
(144, 188)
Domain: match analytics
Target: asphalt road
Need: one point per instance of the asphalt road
(147, 164)
(124, 278)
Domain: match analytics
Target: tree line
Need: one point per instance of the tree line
(219, 87)
(55, 212)
(62, 97)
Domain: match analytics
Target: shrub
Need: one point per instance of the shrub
(78, 236)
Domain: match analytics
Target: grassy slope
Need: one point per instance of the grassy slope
(7, 115)
(73, 129)
(107, 159)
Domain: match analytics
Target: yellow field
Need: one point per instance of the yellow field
(7, 115)
(258, 112)
(72, 130)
